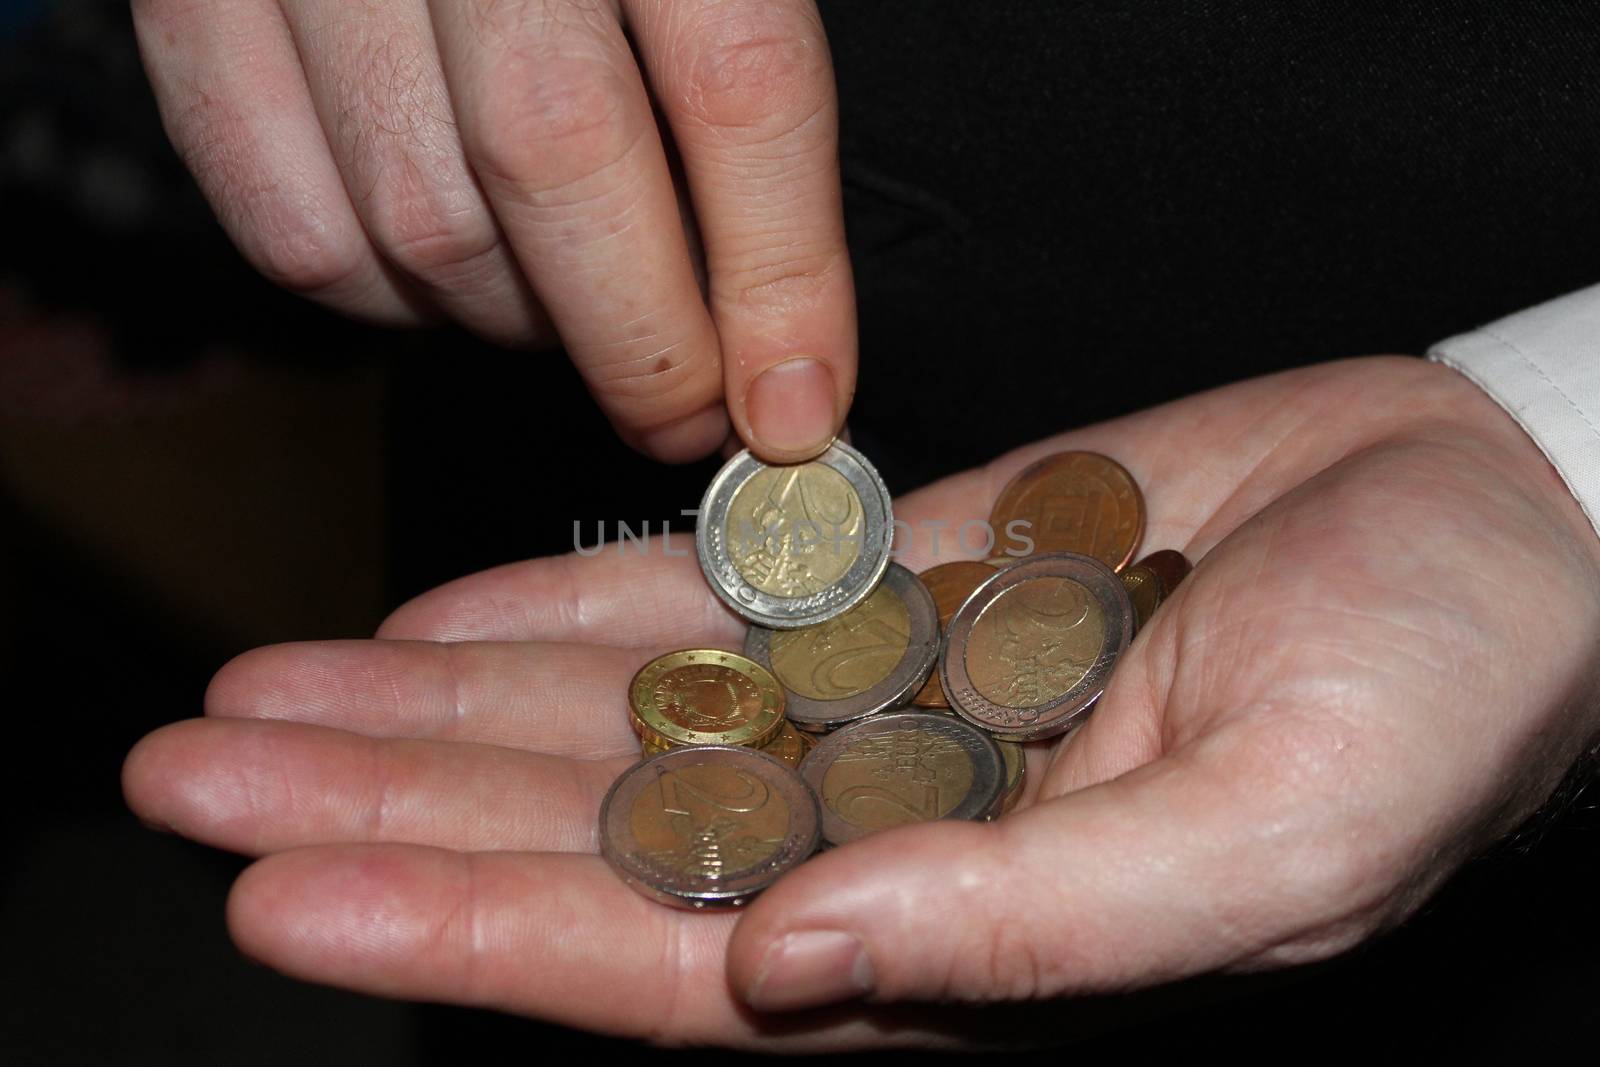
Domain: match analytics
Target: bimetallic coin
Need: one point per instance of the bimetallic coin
(1152, 580)
(707, 826)
(904, 767)
(793, 546)
(704, 696)
(1032, 648)
(950, 584)
(1079, 502)
(1015, 758)
(871, 658)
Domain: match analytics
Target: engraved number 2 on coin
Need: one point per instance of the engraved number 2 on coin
(855, 795)
(676, 792)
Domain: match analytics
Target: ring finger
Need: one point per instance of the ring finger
(376, 82)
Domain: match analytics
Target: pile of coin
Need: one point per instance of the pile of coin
(808, 739)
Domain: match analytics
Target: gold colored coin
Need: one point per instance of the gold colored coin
(707, 819)
(1150, 581)
(1144, 593)
(1079, 502)
(848, 655)
(795, 531)
(705, 697)
(1035, 642)
(950, 584)
(790, 745)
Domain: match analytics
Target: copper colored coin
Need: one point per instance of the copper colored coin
(950, 584)
(1170, 565)
(1079, 502)
(1150, 581)
(790, 746)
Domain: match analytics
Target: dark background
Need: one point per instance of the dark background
(1058, 212)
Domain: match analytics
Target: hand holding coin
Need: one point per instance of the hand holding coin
(1357, 688)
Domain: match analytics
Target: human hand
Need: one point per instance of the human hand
(499, 162)
(1384, 660)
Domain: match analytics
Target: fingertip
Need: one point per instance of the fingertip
(335, 912)
(809, 969)
(792, 409)
(143, 771)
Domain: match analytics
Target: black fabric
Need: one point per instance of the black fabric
(1060, 211)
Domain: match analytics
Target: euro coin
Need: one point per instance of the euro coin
(792, 546)
(901, 768)
(790, 746)
(704, 696)
(1150, 581)
(1032, 648)
(950, 584)
(707, 826)
(1015, 758)
(1170, 565)
(871, 658)
(1079, 502)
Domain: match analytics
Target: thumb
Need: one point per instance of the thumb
(1171, 870)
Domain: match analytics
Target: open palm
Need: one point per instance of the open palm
(1385, 659)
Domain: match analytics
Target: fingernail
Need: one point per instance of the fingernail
(790, 406)
(810, 969)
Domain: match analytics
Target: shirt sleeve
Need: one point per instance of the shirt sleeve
(1543, 366)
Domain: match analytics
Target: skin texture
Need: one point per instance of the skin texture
(505, 163)
(1382, 663)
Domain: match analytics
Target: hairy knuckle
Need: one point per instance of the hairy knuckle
(760, 73)
(437, 248)
(292, 237)
(309, 258)
(549, 122)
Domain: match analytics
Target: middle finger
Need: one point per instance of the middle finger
(558, 127)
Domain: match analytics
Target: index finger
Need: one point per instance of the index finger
(747, 88)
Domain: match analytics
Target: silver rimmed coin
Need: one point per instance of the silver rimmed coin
(873, 657)
(796, 545)
(1031, 650)
(707, 826)
(901, 768)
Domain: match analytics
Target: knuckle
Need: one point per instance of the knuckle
(291, 238)
(659, 374)
(429, 245)
(549, 122)
(783, 282)
(308, 259)
(758, 72)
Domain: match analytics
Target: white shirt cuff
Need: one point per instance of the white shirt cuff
(1543, 366)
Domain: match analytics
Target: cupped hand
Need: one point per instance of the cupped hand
(506, 163)
(1384, 660)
